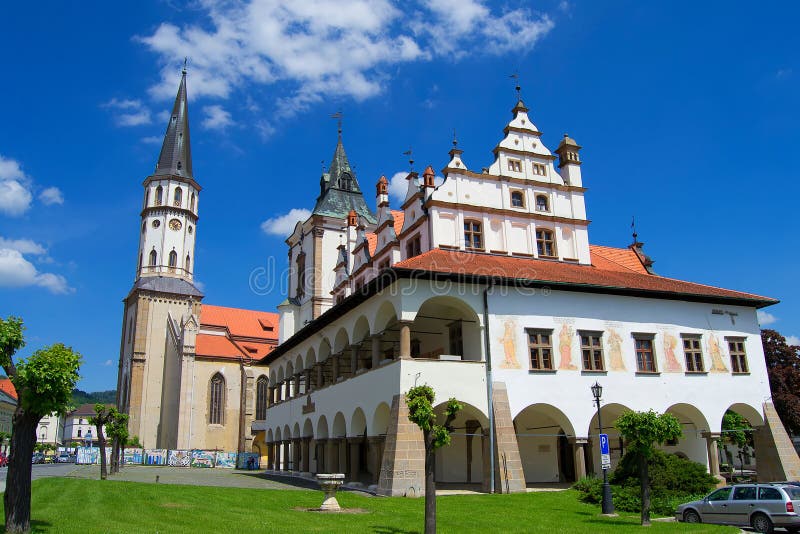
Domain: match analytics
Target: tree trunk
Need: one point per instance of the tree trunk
(115, 455)
(101, 440)
(644, 477)
(430, 486)
(17, 499)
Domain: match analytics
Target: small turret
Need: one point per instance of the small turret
(569, 162)
(428, 178)
(382, 192)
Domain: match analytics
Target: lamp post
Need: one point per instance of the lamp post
(608, 503)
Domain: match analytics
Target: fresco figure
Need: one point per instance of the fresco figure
(565, 346)
(717, 363)
(671, 363)
(509, 342)
(615, 349)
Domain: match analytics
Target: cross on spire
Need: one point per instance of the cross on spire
(338, 116)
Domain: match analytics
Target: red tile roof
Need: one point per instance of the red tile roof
(217, 347)
(617, 274)
(239, 322)
(8, 387)
(616, 259)
(372, 239)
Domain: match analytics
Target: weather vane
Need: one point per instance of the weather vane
(409, 153)
(455, 139)
(338, 116)
(633, 229)
(185, 61)
(517, 87)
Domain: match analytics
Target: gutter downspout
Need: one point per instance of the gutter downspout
(488, 351)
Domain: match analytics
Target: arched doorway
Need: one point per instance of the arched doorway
(545, 438)
(462, 462)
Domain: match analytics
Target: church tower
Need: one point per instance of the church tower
(161, 312)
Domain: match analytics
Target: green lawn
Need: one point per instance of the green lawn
(86, 506)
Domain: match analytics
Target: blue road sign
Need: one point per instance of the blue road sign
(604, 444)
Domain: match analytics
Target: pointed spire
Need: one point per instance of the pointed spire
(176, 152)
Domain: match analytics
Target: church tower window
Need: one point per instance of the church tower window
(173, 259)
(473, 235)
(146, 197)
(545, 243)
(188, 263)
(216, 408)
(178, 197)
(191, 205)
(301, 275)
(514, 165)
(517, 199)
(542, 203)
(153, 258)
(261, 398)
(159, 195)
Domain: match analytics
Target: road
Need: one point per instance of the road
(40, 471)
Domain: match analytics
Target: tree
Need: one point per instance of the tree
(104, 416)
(117, 430)
(783, 367)
(642, 431)
(420, 411)
(44, 384)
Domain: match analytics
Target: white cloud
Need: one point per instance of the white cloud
(765, 318)
(216, 118)
(328, 48)
(108, 363)
(23, 246)
(50, 196)
(398, 186)
(151, 140)
(129, 112)
(16, 271)
(283, 225)
(793, 340)
(15, 194)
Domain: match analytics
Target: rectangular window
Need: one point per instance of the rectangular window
(413, 247)
(540, 344)
(540, 169)
(693, 352)
(473, 236)
(592, 351)
(456, 334)
(738, 355)
(645, 355)
(514, 165)
(546, 243)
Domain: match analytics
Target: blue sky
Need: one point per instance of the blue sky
(687, 113)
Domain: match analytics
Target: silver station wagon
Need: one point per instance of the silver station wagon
(761, 506)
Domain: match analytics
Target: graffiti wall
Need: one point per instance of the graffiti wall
(155, 457)
(225, 460)
(179, 458)
(248, 460)
(132, 457)
(87, 455)
(202, 458)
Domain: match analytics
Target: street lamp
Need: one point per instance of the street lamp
(608, 503)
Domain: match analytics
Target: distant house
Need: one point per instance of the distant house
(51, 429)
(8, 403)
(77, 428)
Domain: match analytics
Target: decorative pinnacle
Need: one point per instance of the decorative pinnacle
(517, 87)
(338, 116)
(409, 153)
(633, 229)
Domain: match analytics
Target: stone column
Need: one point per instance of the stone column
(332, 456)
(472, 427)
(405, 340)
(306, 455)
(376, 444)
(270, 396)
(353, 359)
(269, 455)
(403, 463)
(320, 378)
(288, 383)
(309, 385)
(287, 455)
(335, 367)
(296, 454)
(376, 350)
(713, 453)
(320, 450)
(579, 453)
(354, 473)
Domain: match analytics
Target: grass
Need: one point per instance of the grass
(89, 506)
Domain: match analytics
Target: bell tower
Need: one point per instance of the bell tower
(163, 299)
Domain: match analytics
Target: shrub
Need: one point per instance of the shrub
(590, 488)
(669, 473)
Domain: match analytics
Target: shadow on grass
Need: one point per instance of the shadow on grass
(392, 530)
(40, 526)
(298, 482)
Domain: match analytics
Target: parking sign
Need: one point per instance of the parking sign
(605, 453)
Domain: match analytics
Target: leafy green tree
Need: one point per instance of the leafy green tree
(104, 416)
(134, 442)
(420, 411)
(643, 431)
(117, 430)
(783, 368)
(44, 384)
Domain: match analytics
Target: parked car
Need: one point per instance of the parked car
(38, 458)
(64, 458)
(760, 506)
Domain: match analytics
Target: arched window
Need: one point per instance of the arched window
(541, 203)
(345, 182)
(79, 432)
(159, 195)
(216, 406)
(146, 197)
(191, 206)
(188, 264)
(546, 243)
(517, 199)
(473, 236)
(173, 259)
(261, 398)
(153, 258)
(141, 257)
(178, 197)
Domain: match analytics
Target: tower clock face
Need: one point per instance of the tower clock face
(175, 224)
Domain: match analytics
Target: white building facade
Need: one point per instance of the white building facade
(486, 288)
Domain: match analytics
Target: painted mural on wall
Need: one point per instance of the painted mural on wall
(155, 457)
(717, 363)
(179, 458)
(202, 458)
(565, 338)
(248, 460)
(616, 363)
(225, 460)
(133, 457)
(671, 363)
(509, 341)
(87, 455)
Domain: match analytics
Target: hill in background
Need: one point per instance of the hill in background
(104, 397)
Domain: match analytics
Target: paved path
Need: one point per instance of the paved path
(40, 471)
